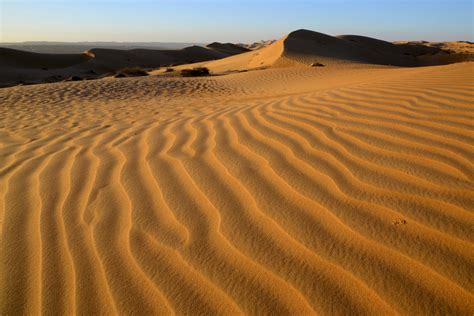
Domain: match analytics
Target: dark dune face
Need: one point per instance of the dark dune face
(20, 59)
(27, 67)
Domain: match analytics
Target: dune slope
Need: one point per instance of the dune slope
(306, 48)
(281, 191)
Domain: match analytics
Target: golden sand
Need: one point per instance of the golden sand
(336, 190)
(231, 195)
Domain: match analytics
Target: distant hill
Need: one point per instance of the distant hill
(257, 45)
(17, 66)
(228, 48)
(79, 47)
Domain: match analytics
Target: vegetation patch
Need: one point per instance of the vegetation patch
(195, 72)
(131, 72)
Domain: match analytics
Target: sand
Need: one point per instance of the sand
(345, 189)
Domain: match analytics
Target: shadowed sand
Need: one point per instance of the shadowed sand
(21, 67)
(345, 189)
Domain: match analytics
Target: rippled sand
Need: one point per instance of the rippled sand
(280, 191)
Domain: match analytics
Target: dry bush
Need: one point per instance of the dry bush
(131, 72)
(195, 72)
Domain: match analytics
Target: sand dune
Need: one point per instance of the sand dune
(308, 48)
(457, 47)
(333, 190)
(27, 67)
(228, 48)
(20, 59)
(47, 47)
(257, 45)
(299, 48)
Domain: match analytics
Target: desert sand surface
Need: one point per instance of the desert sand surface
(343, 189)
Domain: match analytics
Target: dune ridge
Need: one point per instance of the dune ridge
(21, 67)
(301, 48)
(350, 192)
(306, 48)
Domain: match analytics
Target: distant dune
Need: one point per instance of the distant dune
(229, 48)
(79, 47)
(26, 67)
(299, 48)
(257, 45)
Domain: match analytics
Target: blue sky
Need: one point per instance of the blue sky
(234, 21)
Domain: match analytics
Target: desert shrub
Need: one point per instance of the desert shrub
(131, 72)
(195, 72)
(317, 65)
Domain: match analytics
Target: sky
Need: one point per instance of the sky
(204, 21)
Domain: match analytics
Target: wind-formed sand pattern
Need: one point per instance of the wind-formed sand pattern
(345, 190)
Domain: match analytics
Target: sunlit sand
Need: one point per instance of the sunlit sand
(274, 186)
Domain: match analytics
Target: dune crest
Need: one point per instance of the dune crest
(306, 48)
(19, 67)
